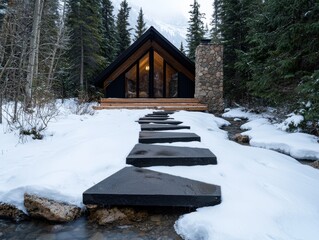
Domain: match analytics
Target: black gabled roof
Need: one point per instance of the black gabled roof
(150, 34)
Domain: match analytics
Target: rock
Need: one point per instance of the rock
(315, 164)
(11, 212)
(104, 216)
(40, 207)
(135, 215)
(241, 138)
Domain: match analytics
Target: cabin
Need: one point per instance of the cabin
(151, 73)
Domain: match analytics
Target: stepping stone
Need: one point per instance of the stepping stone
(147, 155)
(167, 137)
(163, 112)
(162, 127)
(159, 122)
(156, 115)
(155, 118)
(141, 187)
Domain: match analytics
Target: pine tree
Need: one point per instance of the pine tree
(123, 28)
(233, 28)
(140, 28)
(181, 48)
(85, 52)
(109, 31)
(283, 51)
(195, 31)
(216, 21)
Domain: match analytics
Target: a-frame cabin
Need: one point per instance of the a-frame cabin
(151, 73)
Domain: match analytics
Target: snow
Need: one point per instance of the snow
(265, 194)
(264, 134)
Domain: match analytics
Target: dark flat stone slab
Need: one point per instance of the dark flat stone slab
(155, 118)
(162, 127)
(160, 122)
(163, 112)
(141, 187)
(147, 155)
(156, 115)
(167, 137)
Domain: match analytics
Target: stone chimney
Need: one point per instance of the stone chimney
(209, 75)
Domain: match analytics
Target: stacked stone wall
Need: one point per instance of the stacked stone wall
(209, 76)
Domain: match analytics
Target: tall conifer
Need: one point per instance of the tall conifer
(195, 31)
(140, 28)
(109, 32)
(123, 28)
(85, 52)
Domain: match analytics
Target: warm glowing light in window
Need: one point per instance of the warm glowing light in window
(147, 68)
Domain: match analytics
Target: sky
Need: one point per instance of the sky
(166, 9)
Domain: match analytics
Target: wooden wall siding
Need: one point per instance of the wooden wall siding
(139, 53)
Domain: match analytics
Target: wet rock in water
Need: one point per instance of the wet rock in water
(40, 207)
(315, 164)
(104, 216)
(9, 211)
(241, 138)
(134, 214)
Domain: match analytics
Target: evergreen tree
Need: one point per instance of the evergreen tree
(140, 28)
(195, 31)
(282, 59)
(234, 15)
(181, 48)
(216, 21)
(283, 51)
(85, 52)
(109, 32)
(123, 28)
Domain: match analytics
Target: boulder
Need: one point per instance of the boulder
(241, 138)
(9, 211)
(40, 207)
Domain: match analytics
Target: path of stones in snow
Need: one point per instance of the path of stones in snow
(136, 186)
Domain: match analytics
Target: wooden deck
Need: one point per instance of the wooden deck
(168, 104)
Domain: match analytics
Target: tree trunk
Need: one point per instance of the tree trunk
(57, 45)
(82, 65)
(34, 45)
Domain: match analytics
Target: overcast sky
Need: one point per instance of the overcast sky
(162, 9)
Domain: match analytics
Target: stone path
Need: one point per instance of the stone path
(135, 186)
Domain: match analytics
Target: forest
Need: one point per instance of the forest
(52, 49)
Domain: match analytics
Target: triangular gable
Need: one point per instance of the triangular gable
(150, 39)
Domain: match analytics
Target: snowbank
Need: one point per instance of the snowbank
(263, 134)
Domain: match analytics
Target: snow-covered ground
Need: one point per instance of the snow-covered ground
(264, 134)
(265, 194)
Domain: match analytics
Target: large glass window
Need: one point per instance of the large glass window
(158, 75)
(130, 82)
(171, 82)
(144, 70)
(164, 82)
